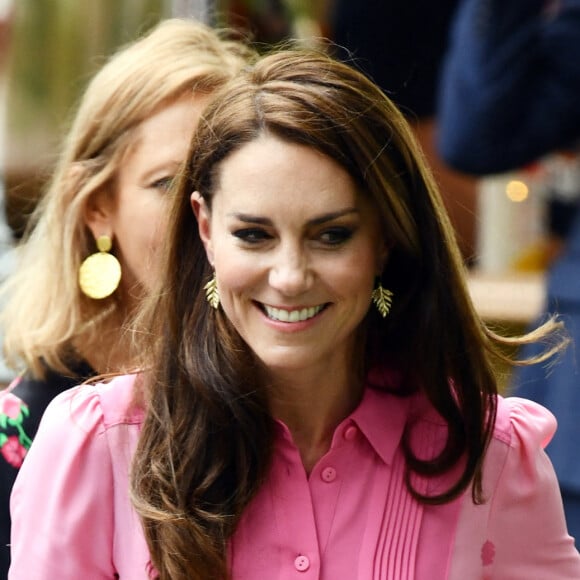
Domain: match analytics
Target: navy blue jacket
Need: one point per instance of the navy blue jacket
(510, 85)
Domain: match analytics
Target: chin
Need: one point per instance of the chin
(286, 362)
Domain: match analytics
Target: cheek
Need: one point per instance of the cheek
(355, 274)
(241, 276)
(145, 236)
(158, 233)
(153, 220)
(236, 273)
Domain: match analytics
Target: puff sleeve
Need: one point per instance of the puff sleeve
(62, 501)
(520, 530)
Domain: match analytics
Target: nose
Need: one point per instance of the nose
(291, 274)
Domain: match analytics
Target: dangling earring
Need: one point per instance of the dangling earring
(382, 298)
(100, 273)
(211, 292)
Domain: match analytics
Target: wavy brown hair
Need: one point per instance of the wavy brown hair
(206, 441)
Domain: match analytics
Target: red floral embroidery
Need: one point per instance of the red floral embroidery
(487, 553)
(13, 451)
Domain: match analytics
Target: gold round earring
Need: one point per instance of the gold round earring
(382, 298)
(211, 292)
(100, 273)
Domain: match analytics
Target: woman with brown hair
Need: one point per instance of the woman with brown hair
(318, 398)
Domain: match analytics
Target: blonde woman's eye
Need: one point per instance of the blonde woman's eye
(164, 183)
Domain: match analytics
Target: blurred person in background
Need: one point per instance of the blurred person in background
(510, 94)
(401, 46)
(90, 253)
(267, 22)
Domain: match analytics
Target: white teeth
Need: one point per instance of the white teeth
(292, 315)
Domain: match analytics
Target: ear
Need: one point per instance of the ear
(383, 255)
(99, 213)
(203, 217)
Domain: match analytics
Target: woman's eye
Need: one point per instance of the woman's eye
(335, 236)
(252, 235)
(164, 183)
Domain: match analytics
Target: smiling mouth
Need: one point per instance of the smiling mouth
(299, 315)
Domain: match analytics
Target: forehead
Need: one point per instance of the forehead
(269, 168)
(169, 125)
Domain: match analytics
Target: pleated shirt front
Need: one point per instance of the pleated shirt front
(352, 517)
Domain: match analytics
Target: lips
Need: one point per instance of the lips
(297, 315)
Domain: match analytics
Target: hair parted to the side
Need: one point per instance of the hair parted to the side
(206, 441)
(43, 309)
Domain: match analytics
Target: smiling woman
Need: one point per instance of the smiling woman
(284, 242)
(317, 394)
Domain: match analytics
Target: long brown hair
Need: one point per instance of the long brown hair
(206, 440)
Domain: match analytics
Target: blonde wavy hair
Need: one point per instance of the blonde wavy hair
(43, 308)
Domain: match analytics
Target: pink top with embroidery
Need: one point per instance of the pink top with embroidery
(351, 519)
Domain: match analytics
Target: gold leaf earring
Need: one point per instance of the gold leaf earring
(382, 298)
(100, 273)
(211, 292)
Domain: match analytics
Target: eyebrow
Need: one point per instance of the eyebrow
(171, 166)
(327, 217)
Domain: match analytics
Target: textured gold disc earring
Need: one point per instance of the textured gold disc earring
(100, 273)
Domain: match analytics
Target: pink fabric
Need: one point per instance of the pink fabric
(520, 532)
(351, 519)
(71, 515)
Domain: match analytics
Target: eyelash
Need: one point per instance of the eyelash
(336, 236)
(252, 235)
(164, 183)
(330, 237)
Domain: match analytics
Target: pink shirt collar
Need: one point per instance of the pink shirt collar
(376, 409)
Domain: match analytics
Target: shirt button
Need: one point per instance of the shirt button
(302, 563)
(328, 474)
(350, 433)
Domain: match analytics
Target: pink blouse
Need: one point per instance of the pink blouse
(352, 518)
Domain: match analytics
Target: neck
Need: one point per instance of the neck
(312, 408)
(106, 344)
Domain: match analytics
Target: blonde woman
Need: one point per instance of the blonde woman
(65, 315)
